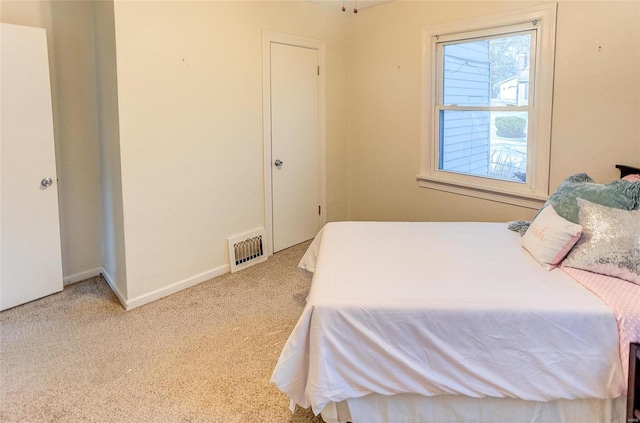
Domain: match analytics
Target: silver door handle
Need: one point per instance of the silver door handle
(46, 182)
(278, 163)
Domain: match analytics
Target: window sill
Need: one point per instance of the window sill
(522, 199)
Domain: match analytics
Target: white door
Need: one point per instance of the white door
(30, 252)
(295, 168)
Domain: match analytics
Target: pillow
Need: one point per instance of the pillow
(634, 177)
(519, 226)
(610, 243)
(620, 194)
(550, 237)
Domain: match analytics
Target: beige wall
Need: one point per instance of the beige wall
(114, 262)
(70, 42)
(190, 114)
(595, 114)
(597, 93)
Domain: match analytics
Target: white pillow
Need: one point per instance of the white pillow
(550, 237)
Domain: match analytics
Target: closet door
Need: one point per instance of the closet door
(295, 173)
(30, 252)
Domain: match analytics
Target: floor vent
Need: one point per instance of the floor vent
(246, 250)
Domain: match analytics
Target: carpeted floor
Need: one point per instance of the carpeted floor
(204, 354)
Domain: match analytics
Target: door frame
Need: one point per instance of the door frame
(268, 38)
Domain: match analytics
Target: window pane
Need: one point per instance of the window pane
(487, 72)
(484, 143)
(510, 70)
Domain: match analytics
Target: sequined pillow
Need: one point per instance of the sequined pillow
(610, 242)
(620, 194)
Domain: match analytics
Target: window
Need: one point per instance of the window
(486, 106)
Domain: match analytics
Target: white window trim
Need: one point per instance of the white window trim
(536, 189)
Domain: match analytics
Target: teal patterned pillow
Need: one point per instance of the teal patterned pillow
(520, 226)
(619, 194)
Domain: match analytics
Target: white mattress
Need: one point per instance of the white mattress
(444, 308)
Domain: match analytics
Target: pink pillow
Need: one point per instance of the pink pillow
(633, 177)
(550, 237)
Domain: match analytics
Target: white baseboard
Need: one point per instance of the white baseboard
(151, 296)
(68, 280)
(178, 286)
(107, 277)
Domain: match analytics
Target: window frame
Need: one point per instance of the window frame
(535, 190)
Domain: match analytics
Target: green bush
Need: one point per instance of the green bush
(510, 126)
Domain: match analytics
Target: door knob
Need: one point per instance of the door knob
(278, 163)
(46, 182)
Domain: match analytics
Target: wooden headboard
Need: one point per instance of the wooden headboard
(627, 170)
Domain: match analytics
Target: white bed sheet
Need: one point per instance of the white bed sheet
(444, 308)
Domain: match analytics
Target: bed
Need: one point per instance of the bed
(438, 321)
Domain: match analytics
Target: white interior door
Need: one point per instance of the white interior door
(30, 252)
(295, 165)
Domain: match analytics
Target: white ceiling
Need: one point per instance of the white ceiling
(350, 4)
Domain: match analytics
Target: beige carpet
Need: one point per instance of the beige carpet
(204, 354)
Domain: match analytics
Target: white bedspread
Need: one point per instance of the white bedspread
(444, 308)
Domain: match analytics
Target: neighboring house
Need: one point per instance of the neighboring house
(467, 79)
(516, 88)
(508, 91)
